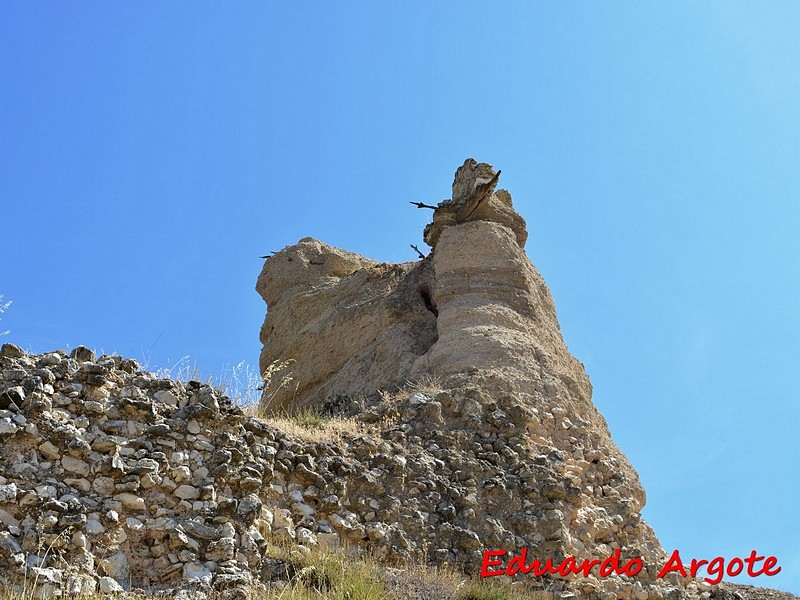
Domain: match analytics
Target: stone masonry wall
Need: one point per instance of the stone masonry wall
(113, 478)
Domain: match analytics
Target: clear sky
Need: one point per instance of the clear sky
(151, 152)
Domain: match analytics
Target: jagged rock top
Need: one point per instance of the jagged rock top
(468, 177)
(474, 199)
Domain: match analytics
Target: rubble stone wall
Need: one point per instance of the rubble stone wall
(112, 478)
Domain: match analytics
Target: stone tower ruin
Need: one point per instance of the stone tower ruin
(476, 317)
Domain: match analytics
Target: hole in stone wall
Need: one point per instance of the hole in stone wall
(425, 294)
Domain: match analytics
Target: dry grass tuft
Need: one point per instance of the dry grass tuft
(3, 308)
(311, 426)
(334, 575)
(428, 384)
(276, 376)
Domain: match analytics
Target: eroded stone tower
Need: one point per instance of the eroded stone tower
(526, 458)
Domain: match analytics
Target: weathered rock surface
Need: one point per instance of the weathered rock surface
(339, 325)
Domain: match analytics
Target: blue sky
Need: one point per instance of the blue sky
(152, 152)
